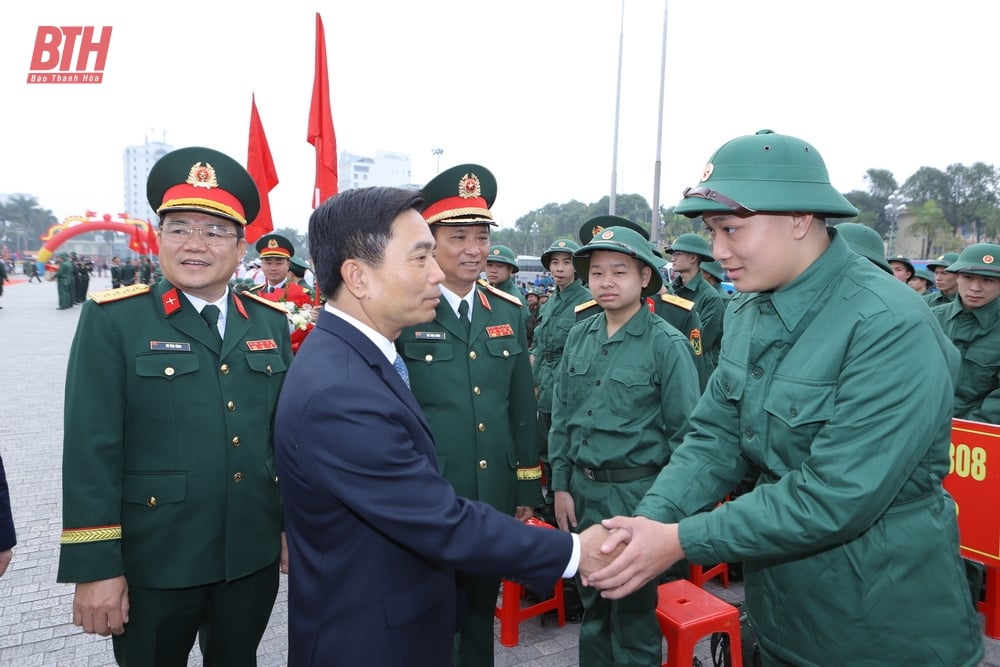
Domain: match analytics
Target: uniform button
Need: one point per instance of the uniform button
(168, 371)
(585, 443)
(268, 369)
(472, 355)
(231, 406)
(757, 372)
(475, 390)
(748, 433)
(483, 464)
(238, 477)
(429, 358)
(598, 383)
(482, 426)
(590, 413)
(794, 411)
(224, 369)
(506, 353)
(151, 501)
(236, 441)
(604, 352)
(572, 369)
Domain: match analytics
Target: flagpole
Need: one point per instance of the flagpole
(618, 103)
(654, 227)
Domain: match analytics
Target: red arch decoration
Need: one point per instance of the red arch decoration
(75, 224)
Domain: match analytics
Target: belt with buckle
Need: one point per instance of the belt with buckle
(618, 474)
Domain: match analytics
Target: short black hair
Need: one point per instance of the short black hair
(355, 224)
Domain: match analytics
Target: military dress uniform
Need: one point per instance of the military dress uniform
(619, 406)
(64, 275)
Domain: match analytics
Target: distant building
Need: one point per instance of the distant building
(138, 161)
(385, 169)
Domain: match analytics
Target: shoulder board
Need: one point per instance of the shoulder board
(107, 296)
(259, 299)
(255, 288)
(500, 293)
(584, 306)
(679, 301)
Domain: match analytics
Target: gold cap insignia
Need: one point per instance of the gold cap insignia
(468, 187)
(272, 243)
(202, 175)
(987, 259)
(496, 252)
(707, 173)
(561, 244)
(608, 234)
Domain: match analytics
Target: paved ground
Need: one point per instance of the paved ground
(35, 611)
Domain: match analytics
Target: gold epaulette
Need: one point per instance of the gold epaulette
(256, 287)
(117, 294)
(529, 473)
(584, 306)
(499, 292)
(259, 299)
(678, 301)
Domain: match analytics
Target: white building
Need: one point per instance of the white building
(138, 161)
(385, 169)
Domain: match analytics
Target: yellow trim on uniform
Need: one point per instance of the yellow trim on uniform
(675, 300)
(584, 306)
(259, 299)
(83, 535)
(528, 474)
(119, 293)
(499, 292)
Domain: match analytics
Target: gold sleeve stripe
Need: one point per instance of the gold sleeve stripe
(82, 535)
(529, 473)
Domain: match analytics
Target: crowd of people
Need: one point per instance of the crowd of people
(391, 466)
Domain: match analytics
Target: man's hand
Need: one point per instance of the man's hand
(650, 547)
(592, 558)
(101, 606)
(5, 558)
(565, 510)
(524, 512)
(283, 563)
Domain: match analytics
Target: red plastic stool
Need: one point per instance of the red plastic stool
(699, 574)
(511, 613)
(686, 613)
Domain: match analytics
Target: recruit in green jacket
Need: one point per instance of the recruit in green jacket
(976, 334)
(848, 533)
(478, 398)
(557, 318)
(168, 460)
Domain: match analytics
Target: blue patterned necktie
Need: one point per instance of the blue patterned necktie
(401, 369)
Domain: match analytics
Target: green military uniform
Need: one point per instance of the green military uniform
(504, 255)
(707, 301)
(65, 277)
(849, 532)
(607, 446)
(938, 298)
(866, 242)
(128, 273)
(715, 270)
(976, 334)
(116, 275)
(475, 388)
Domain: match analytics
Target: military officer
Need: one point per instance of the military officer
(171, 512)
(972, 323)
(501, 265)
(276, 252)
(65, 277)
(689, 252)
(849, 529)
(470, 372)
(945, 281)
(129, 272)
(116, 272)
(607, 446)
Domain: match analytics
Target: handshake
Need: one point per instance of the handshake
(621, 554)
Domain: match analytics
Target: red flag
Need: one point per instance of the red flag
(321, 125)
(152, 244)
(135, 243)
(261, 169)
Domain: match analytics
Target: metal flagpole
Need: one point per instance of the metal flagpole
(654, 227)
(618, 103)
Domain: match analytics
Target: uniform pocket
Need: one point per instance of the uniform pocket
(168, 366)
(268, 364)
(630, 393)
(154, 489)
(796, 402)
(428, 352)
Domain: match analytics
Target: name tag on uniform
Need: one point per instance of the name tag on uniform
(257, 345)
(499, 330)
(164, 346)
(430, 335)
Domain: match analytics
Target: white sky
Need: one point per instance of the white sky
(526, 88)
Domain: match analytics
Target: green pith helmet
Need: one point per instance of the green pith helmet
(626, 241)
(713, 269)
(693, 244)
(298, 266)
(902, 260)
(765, 173)
(567, 246)
(944, 261)
(461, 195)
(501, 254)
(204, 181)
(866, 242)
(980, 259)
(925, 275)
(594, 225)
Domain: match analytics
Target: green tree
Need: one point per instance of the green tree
(968, 196)
(24, 221)
(929, 226)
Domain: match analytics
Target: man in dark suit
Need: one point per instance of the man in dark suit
(374, 531)
(7, 538)
(171, 512)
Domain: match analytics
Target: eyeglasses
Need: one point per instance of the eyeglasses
(180, 232)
